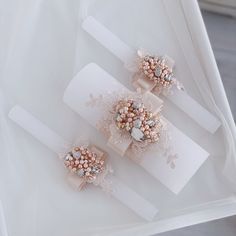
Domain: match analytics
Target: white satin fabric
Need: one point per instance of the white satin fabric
(42, 47)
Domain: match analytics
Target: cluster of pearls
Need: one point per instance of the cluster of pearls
(134, 117)
(156, 69)
(85, 163)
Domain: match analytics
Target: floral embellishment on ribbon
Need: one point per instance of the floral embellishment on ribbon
(155, 73)
(132, 116)
(156, 70)
(85, 163)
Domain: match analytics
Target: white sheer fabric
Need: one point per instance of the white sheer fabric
(42, 47)
(208, 94)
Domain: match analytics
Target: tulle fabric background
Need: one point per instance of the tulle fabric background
(42, 47)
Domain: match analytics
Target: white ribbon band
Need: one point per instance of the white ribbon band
(132, 200)
(108, 40)
(38, 130)
(201, 116)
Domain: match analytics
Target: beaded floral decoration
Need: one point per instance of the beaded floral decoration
(156, 69)
(85, 163)
(141, 123)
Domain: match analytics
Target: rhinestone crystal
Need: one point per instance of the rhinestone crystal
(151, 123)
(77, 154)
(168, 77)
(137, 123)
(137, 134)
(95, 170)
(137, 105)
(67, 157)
(158, 72)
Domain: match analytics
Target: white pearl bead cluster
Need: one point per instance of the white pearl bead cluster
(156, 70)
(135, 118)
(85, 163)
